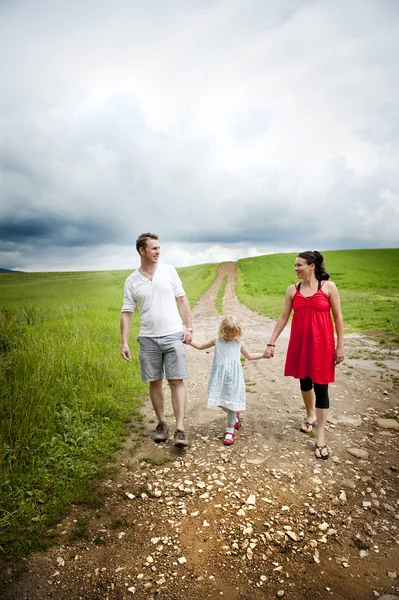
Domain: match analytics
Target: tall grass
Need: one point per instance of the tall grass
(368, 283)
(220, 295)
(66, 397)
(197, 280)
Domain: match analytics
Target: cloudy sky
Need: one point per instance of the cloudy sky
(230, 128)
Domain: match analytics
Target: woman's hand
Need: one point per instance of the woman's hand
(339, 355)
(269, 352)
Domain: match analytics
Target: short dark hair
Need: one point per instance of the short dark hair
(316, 258)
(142, 240)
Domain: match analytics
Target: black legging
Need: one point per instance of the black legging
(320, 390)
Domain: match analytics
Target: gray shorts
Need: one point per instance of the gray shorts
(166, 353)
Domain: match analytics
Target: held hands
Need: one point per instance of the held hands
(269, 352)
(187, 336)
(125, 352)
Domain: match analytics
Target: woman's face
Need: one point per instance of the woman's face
(302, 267)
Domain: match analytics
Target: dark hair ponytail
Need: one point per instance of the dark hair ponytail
(317, 259)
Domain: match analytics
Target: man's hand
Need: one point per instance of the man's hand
(187, 336)
(125, 352)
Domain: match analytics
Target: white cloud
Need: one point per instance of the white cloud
(227, 123)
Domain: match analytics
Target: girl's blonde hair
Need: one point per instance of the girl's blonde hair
(230, 325)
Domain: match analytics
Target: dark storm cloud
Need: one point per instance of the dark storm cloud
(43, 230)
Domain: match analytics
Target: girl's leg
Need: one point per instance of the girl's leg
(309, 401)
(231, 417)
(322, 406)
(231, 420)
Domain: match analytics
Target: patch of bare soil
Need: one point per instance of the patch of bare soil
(259, 519)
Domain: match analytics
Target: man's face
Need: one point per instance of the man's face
(152, 251)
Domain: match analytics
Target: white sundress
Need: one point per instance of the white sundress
(226, 386)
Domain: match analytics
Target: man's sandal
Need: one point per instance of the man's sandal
(318, 452)
(307, 426)
(229, 438)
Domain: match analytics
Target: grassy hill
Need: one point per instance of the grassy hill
(368, 283)
(9, 271)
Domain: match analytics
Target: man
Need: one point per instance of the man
(158, 293)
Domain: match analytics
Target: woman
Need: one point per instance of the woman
(312, 353)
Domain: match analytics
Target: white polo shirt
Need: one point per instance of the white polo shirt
(155, 300)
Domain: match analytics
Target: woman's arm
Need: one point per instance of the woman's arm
(203, 345)
(281, 321)
(251, 355)
(338, 321)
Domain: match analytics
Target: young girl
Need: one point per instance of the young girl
(226, 386)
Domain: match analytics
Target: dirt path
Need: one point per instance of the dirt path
(260, 519)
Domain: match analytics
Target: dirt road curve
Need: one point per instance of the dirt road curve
(260, 519)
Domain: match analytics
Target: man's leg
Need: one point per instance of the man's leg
(152, 371)
(157, 399)
(179, 396)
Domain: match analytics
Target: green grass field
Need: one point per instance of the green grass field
(67, 398)
(368, 283)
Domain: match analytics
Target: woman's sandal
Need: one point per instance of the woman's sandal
(307, 426)
(319, 449)
(229, 438)
(237, 424)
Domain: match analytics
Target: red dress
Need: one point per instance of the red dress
(312, 346)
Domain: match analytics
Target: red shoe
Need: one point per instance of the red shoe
(237, 424)
(229, 438)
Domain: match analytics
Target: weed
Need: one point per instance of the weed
(81, 530)
(99, 541)
(359, 544)
(157, 462)
(120, 524)
(97, 500)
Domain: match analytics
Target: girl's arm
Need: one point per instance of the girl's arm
(338, 321)
(203, 345)
(250, 355)
(281, 321)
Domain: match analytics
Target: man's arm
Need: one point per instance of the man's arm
(126, 321)
(185, 311)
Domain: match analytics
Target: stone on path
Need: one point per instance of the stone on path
(349, 483)
(352, 421)
(358, 452)
(387, 423)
